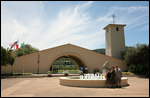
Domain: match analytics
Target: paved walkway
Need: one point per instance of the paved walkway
(38, 76)
(49, 87)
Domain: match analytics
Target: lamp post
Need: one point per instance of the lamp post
(38, 63)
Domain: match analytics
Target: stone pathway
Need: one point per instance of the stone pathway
(50, 87)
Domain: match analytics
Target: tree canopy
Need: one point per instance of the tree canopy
(6, 57)
(28, 49)
(138, 58)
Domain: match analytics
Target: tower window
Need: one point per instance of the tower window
(117, 29)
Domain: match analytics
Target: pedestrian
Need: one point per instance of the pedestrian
(56, 70)
(81, 68)
(118, 73)
(108, 78)
(113, 75)
(86, 69)
(53, 70)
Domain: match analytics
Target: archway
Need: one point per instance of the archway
(77, 60)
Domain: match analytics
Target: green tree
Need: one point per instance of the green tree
(11, 59)
(3, 56)
(28, 49)
(6, 57)
(138, 58)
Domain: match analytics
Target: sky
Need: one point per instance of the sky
(47, 24)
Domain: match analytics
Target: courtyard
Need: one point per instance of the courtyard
(50, 87)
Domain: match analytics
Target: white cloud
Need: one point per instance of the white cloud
(71, 26)
(132, 8)
(27, 21)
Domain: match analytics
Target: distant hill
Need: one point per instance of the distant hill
(102, 51)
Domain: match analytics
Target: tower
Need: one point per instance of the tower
(115, 41)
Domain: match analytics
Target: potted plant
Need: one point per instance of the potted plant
(49, 73)
(80, 72)
(94, 71)
(97, 73)
(65, 73)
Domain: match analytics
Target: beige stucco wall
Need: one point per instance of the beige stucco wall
(6, 69)
(47, 57)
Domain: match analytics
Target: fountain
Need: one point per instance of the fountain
(105, 70)
(89, 80)
(92, 77)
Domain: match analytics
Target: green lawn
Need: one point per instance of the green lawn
(69, 71)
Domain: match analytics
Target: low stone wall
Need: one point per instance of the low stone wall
(67, 81)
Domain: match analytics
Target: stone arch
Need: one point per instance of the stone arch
(73, 56)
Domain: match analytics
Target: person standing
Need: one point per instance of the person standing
(81, 68)
(118, 73)
(86, 69)
(108, 79)
(113, 75)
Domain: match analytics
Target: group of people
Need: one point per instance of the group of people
(55, 70)
(84, 70)
(113, 77)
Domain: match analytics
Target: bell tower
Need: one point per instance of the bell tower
(115, 41)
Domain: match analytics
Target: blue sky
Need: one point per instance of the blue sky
(47, 24)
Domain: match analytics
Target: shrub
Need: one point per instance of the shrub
(127, 73)
(132, 68)
(80, 72)
(18, 74)
(95, 70)
(138, 69)
(66, 73)
(138, 59)
(49, 73)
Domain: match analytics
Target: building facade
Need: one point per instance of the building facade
(83, 57)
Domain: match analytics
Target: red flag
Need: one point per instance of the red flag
(16, 46)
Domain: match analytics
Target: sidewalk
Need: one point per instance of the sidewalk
(60, 75)
(50, 87)
(38, 76)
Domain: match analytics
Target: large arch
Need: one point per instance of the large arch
(87, 57)
(73, 56)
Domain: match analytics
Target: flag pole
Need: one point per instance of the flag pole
(17, 54)
(16, 61)
(23, 57)
(13, 70)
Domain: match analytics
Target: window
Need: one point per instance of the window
(117, 29)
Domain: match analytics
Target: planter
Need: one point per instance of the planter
(81, 74)
(66, 74)
(49, 75)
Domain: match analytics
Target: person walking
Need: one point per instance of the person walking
(118, 73)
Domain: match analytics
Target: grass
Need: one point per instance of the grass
(16, 74)
(69, 71)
